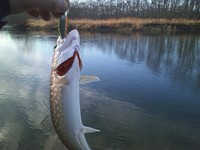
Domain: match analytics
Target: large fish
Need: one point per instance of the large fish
(64, 93)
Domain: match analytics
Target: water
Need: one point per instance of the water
(148, 97)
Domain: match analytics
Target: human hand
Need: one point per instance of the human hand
(41, 8)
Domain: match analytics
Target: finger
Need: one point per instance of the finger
(45, 15)
(33, 13)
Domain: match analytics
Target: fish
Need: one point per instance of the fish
(64, 93)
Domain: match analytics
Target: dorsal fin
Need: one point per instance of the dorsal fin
(47, 125)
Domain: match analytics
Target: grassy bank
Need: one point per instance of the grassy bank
(125, 25)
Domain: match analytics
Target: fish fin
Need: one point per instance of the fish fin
(47, 125)
(89, 130)
(82, 141)
(88, 79)
(81, 137)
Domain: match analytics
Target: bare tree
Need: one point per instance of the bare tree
(136, 8)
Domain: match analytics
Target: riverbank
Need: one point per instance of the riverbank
(125, 25)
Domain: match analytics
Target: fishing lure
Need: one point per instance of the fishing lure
(63, 22)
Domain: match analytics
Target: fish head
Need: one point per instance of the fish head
(69, 62)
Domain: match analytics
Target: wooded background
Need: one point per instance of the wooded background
(103, 9)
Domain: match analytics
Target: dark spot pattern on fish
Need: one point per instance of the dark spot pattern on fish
(57, 113)
(56, 105)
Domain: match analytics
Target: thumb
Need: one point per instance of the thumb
(54, 5)
(60, 6)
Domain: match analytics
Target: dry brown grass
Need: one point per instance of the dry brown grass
(138, 22)
(41, 24)
(124, 24)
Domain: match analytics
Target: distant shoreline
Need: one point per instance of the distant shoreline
(125, 25)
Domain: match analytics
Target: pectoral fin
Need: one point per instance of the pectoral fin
(88, 79)
(89, 130)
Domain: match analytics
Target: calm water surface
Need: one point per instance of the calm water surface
(148, 97)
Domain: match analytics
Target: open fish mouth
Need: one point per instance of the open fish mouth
(65, 66)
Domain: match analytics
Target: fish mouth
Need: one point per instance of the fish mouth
(65, 66)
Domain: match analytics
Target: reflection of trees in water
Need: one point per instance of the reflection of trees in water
(176, 55)
(26, 42)
(186, 51)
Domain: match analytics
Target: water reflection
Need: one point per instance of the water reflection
(148, 97)
(177, 56)
(22, 91)
(124, 126)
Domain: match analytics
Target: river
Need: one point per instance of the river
(148, 97)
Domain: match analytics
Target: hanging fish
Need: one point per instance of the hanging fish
(64, 93)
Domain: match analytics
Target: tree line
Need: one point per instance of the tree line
(98, 9)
